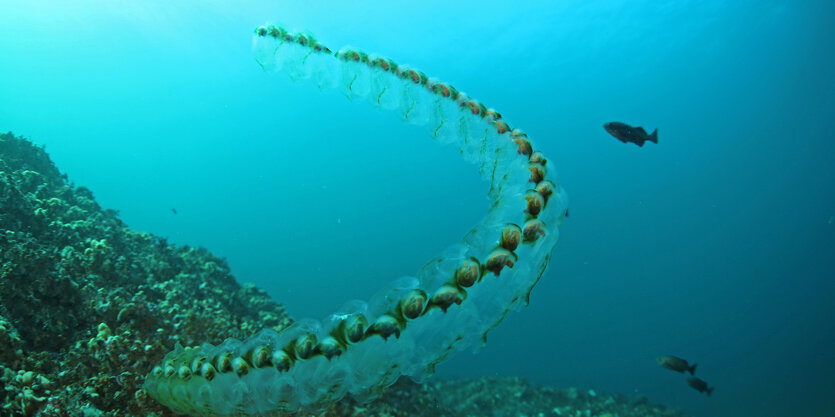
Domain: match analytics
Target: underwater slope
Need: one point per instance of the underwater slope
(86, 304)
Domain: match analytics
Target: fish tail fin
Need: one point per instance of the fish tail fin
(709, 391)
(692, 369)
(654, 136)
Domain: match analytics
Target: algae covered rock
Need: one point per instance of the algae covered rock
(87, 305)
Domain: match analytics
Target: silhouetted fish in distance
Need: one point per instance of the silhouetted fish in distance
(699, 385)
(625, 133)
(677, 364)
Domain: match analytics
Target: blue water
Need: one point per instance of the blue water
(715, 245)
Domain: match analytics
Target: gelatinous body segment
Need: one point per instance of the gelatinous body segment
(208, 371)
(414, 304)
(451, 305)
(523, 146)
(184, 373)
(330, 347)
(304, 346)
(384, 64)
(351, 55)
(492, 114)
(444, 90)
(197, 364)
(354, 328)
(468, 272)
(475, 107)
(499, 259)
(413, 75)
(447, 296)
(511, 236)
(261, 357)
(385, 326)
(545, 188)
(305, 40)
(538, 158)
(223, 362)
(282, 361)
(502, 126)
(240, 366)
(533, 230)
(535, 203)
(537, 173)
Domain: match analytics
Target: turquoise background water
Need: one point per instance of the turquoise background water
(715, 245)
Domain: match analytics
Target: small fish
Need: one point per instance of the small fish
(173, 210)
(625, 133)
(699, 385)
(676, 364)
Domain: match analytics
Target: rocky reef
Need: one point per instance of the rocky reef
(88, 306)
(498, 397)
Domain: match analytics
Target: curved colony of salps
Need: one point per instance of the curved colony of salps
(452, 303)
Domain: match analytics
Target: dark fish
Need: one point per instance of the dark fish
(675, 364)
(699, 385)
(173, 210)
(625, 133)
